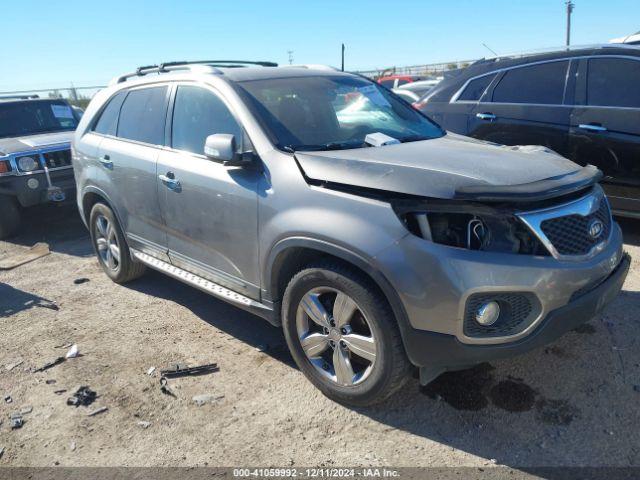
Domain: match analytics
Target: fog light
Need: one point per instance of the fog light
(488, 313)
(33, 183)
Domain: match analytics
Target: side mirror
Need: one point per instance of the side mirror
(222, 147)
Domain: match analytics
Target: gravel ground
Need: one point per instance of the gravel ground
(572, 403)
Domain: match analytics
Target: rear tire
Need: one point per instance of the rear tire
(9, 216)
(359, 365)
(111, 246)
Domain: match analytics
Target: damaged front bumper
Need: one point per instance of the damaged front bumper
(436, 353)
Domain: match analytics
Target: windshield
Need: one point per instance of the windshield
(325, 113)
(35, 116)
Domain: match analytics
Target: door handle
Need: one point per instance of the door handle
(106, 162)
(592, 127)
(170, 181)
(486, 116)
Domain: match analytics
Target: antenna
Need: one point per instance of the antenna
(290, 53)
(490, 49)
(342, 57)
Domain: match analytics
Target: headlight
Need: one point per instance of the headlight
(28, 164)
(470, 227)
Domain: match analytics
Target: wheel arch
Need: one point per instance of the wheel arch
(291, 255)
(91, 196)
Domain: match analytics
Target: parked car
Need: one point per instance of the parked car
(407, 95)
(35, 156)
(395, 81)
(420, 87)
(316, 199)
(583, 103)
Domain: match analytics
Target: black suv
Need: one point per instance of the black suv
(583, 103)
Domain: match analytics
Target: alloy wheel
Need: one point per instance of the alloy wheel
(107, 242)
(336, 336)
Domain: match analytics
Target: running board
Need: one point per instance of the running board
(205, 285)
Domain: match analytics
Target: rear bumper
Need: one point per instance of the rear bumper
(31, 193)
(440, 352)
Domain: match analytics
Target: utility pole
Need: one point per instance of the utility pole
(342, 68)
(290, 53)
(570, 5)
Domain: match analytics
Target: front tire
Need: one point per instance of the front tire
(111, 246)
(10, 216)
(343, 335)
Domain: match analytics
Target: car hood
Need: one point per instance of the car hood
(33, 142)
(440, 168)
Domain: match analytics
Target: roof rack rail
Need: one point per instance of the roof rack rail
(312, 66)
(19, 97)
(189, 65)
(565, 48)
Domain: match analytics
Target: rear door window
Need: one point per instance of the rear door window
(142, 116)
(198, 113)
(613, 82)
(473, 92)
(108, 121)
(537, 84)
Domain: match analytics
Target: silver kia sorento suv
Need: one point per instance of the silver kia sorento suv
(322, 202)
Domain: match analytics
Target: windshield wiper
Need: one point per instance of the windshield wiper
(414, 138)
(322, 147)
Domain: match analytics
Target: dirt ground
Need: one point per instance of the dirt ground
(572, 403)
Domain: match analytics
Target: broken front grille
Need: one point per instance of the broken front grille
(57, 159)
(576, 234)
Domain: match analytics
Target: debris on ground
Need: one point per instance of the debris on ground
(73, 352)
(97, 411)
(1, 451)
(25, 410)
(50, 381)
(84, 396)
(16, 421)
(49, 305)
(206, 398)
(64, 345)
(179, 370)
(164, 388)
(8, 399)
(72, 446)
(80, 281)
(151, 370)
(24, 256)
(60, 392)
(12, 365)
(144, 424)
(50, 364)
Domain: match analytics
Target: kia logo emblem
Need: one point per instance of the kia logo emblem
(596, 228)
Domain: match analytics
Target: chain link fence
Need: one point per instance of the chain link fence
(426, 70)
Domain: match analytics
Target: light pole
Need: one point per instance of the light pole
(570, 5)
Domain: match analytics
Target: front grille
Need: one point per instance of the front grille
(60, 158)
(517, 311)
(570, 234)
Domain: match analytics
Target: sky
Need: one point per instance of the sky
(47, 44)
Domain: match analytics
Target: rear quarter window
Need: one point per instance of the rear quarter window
(142, 116)
(107, 123)
(476, 88)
